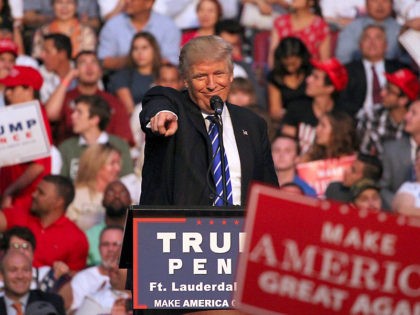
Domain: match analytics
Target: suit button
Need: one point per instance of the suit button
(211, 196)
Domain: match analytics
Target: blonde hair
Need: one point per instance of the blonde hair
(91, 162)
(204, 48)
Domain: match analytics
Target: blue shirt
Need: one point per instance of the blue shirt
(307, 189)
(116, 35)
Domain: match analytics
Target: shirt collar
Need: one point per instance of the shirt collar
(102, 139)
(23, 300)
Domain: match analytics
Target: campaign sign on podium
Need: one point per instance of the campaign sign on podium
(309, 256)
(23, 136)
(185, 258)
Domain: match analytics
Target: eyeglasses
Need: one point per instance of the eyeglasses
(113, 244)
(18, 246)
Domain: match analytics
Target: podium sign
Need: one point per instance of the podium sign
(23, 136)
(309, 256)
(185, 259)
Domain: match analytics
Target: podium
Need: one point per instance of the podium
(182, 257)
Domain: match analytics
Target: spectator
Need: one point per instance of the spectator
(365, 166)
(209, 12)
(386, 122)
(48, 223)
(130, 84)
(90, 118)
(366, 195)
(107, 299)
(305, 22)
(378, 12)
(40, 12)
(367, 75)
(399, 156)
(287, 79)
(407, 198)
(17, 273)
(117, 33)
(8, 54)
(65, 22)
(56, 56)
(335, 137)
(95, 278)
(44, 278)
(285, 152)
(60, 106)
(99, 166)
(116, 200)
(19, 181)
(12, 21)
(323, 85)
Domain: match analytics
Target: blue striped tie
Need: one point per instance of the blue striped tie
(217, 166)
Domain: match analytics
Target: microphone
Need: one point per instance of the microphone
(216, 104)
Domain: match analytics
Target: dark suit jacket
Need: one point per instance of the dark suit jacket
(175, 171)
(351, 99)
(38, 295)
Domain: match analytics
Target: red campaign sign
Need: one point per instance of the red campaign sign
(310, 256)
(322, 172)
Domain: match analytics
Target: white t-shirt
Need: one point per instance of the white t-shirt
(413, 189)
(86, 282)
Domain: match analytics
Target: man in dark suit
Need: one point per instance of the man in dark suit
(16, 269)
(360, 90)
(178, 153)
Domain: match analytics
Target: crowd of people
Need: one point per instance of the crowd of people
(124, 90)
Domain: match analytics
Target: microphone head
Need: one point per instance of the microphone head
(216, 104)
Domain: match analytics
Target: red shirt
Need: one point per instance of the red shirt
(61, 241)
(119, 124)
(312, 35)
(9, 174)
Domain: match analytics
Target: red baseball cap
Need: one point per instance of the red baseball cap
(407, 81)
(7, 45)
(335, 71)
(22, 75)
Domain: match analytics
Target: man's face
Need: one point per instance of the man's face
(17, 274)
(81, 120)
(116, 196)
(44, 198)
(236, 42)
(284, 152)
(133, 7)
(369, 199)
(50, 56)
(89, 70)
(206, 79)
(379, 10)
(373, 44)
(353, 174)
(412, 119)
(390, 96)
(21, 245)
(315, 84)
(110, 246)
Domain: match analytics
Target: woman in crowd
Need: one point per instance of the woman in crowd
(130, 84)
(305, 22)
(209, 13)
(99, 165)
(287, 79)
(335, 137)
(66, 22)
